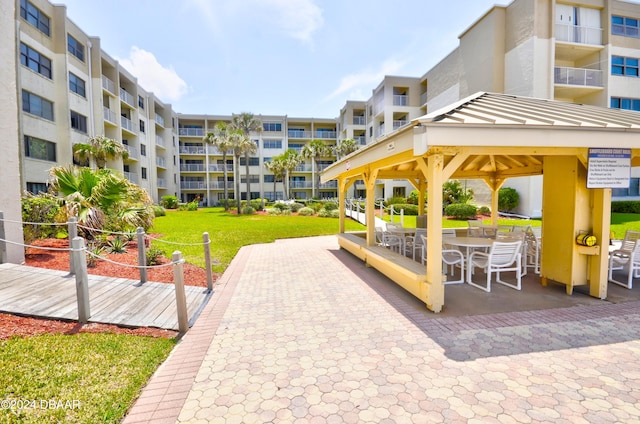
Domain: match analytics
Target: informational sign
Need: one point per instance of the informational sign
(609, 168)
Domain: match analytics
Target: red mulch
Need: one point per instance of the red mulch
(12, 325)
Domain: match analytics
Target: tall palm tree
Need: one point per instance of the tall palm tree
(240, 144)
(247, 123)
(345, 147)
(276, 166)
(290, 159)
(316, 150)
(100, 149)
(220, 138)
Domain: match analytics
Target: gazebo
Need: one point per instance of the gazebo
(580, 150)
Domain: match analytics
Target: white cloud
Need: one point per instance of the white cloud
(298, 18)
(367, 78)
(164, 82)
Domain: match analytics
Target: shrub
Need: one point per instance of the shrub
(93, 250)
(330, 206)
(274, 211)
(484, 210)
(286, 212)
(153, 255)
(508, 199)
(625, 206)
(408, 209)
(43, 208)
(324, 213)
(413, 197)
(281, 206)
(182, 206)
(306, 211)
(117, 245)
(169, 202)
(158, 210)
(256, 204)
(315, 205)
(395, 201)
(461, 211)
(193, 205)
(248, 210)
(453, 192)
(295, 207)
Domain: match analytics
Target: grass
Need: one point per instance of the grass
(89, 377)
(229, 232)
(410, 221)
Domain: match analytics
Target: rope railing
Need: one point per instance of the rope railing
(33, 223)
(33, 246)
(102, 258)
(176, 243)
(96, 230)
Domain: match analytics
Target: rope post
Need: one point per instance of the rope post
(207, 259)
(142, 255)
(72, 226)
(402, 217)
(3, 244)
(82, 279)
(181, 298)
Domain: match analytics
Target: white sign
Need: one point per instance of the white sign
(609, 168)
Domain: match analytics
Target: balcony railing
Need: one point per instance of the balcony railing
(219, 185)
(161, 162)
(127, 124)
(578, 34)
(400, 100)
(326, 134)
(159, 120)
(160, 141)
(219, 168)
(109, 115)
(303, 168)
(162, 183)
(324, 166)
(359, 120)
(192, 150)
(191, 132)
(131, 176)
(299, 134)
(132, 151)
(380, 130)
(193, 185)
(361, 140)
(108, 85)
(301, 184)
(126, 97)
(398, 124)
(329, 184)
(192, 167)
(578, 76)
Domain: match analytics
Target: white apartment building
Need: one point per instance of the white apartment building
(69, 89)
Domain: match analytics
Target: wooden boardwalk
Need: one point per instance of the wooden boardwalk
(40, 292)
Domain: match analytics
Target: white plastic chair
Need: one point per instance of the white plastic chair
(503, 256)
(388, 240)
(630, 263)
(450, 258)
(414, 243)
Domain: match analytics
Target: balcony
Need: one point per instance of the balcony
(108, 85)
(219, 185)
(128, 125)
(162, 183)
(400, 100)
(399, 124)
(303, 168)
(109, 115)
(359, 120)
(192, 150)
(301, 184)
(191, 132)
(329, 184)
(132, 151)
(193, 185)
(131, 176)
(126, 97)
(578, 34)
(361, 140)
(219, 168)
(159, 120)
(299, 134)
(326, 135)
(161, 162)
(192, 167)
(160, 142)
(576, 82)
(380, 131)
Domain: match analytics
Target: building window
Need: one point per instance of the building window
(76, 84)
(32, 59)
(252, 161)
(627, 27)
(34, 16)
(141, 102)
(141, 125)
(272, 126)
(625, 103)
(144, 173)
(36, 188)
(272, 144)
(36, 148)
(143, 150)
(78, 122)
(626, 66)
(75, 48)
(36, 105)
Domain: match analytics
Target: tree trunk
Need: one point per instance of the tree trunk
(236, 167)
(246, 166)
(226, 177)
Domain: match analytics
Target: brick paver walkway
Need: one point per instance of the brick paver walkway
(292, 334)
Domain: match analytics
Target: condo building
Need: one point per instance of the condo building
(70, 89)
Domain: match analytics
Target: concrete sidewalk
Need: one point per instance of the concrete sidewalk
(300, 331)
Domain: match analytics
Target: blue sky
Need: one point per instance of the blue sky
(302, 58)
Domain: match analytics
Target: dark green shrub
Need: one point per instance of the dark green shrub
(281, 206)
(330, 206)
(192, 206)
(413, 197)
(484, 210)
(182, 206)
(461, 211)
(625, 206)
(43, 208)
(407, 208)
(153, 255)
(323, 213)
(295, 207)
(508, 199)
(395, 201)
(158, 210)
(169, 202)
(248, 210)
(306, 211)
(453, 192)
(257, 204)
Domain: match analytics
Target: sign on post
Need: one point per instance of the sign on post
(609, 168)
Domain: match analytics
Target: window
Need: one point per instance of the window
(272, 126)
(34, 16)
(36, 105)
(272, 144)
(32, 59)
(76, 84)
(144, 173)
(36, 148)
(143, 150)
(141, 125)
(78, 122)
(627, 27)
(252, 161)
(75, 48)
(626, 66)
(141, 102)
(625, 103)
(36, 188)
(269, 179)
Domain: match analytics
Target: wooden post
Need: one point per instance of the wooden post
(82, 279)
(142, 255)
(3, 244)
(207, 259)
(181, 298)
(72, 226)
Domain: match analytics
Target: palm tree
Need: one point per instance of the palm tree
(99, 148)
(220, 138)
(290, 159)
(247, 123)
(316, 150)
(240, 144)
(276, 166)
(345, 147)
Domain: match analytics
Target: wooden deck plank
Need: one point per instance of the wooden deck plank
(49, 293)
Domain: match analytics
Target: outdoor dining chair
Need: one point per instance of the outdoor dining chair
(628, 262)
(502, 257)
(388, 240)
(414, 243)
(450, 258)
